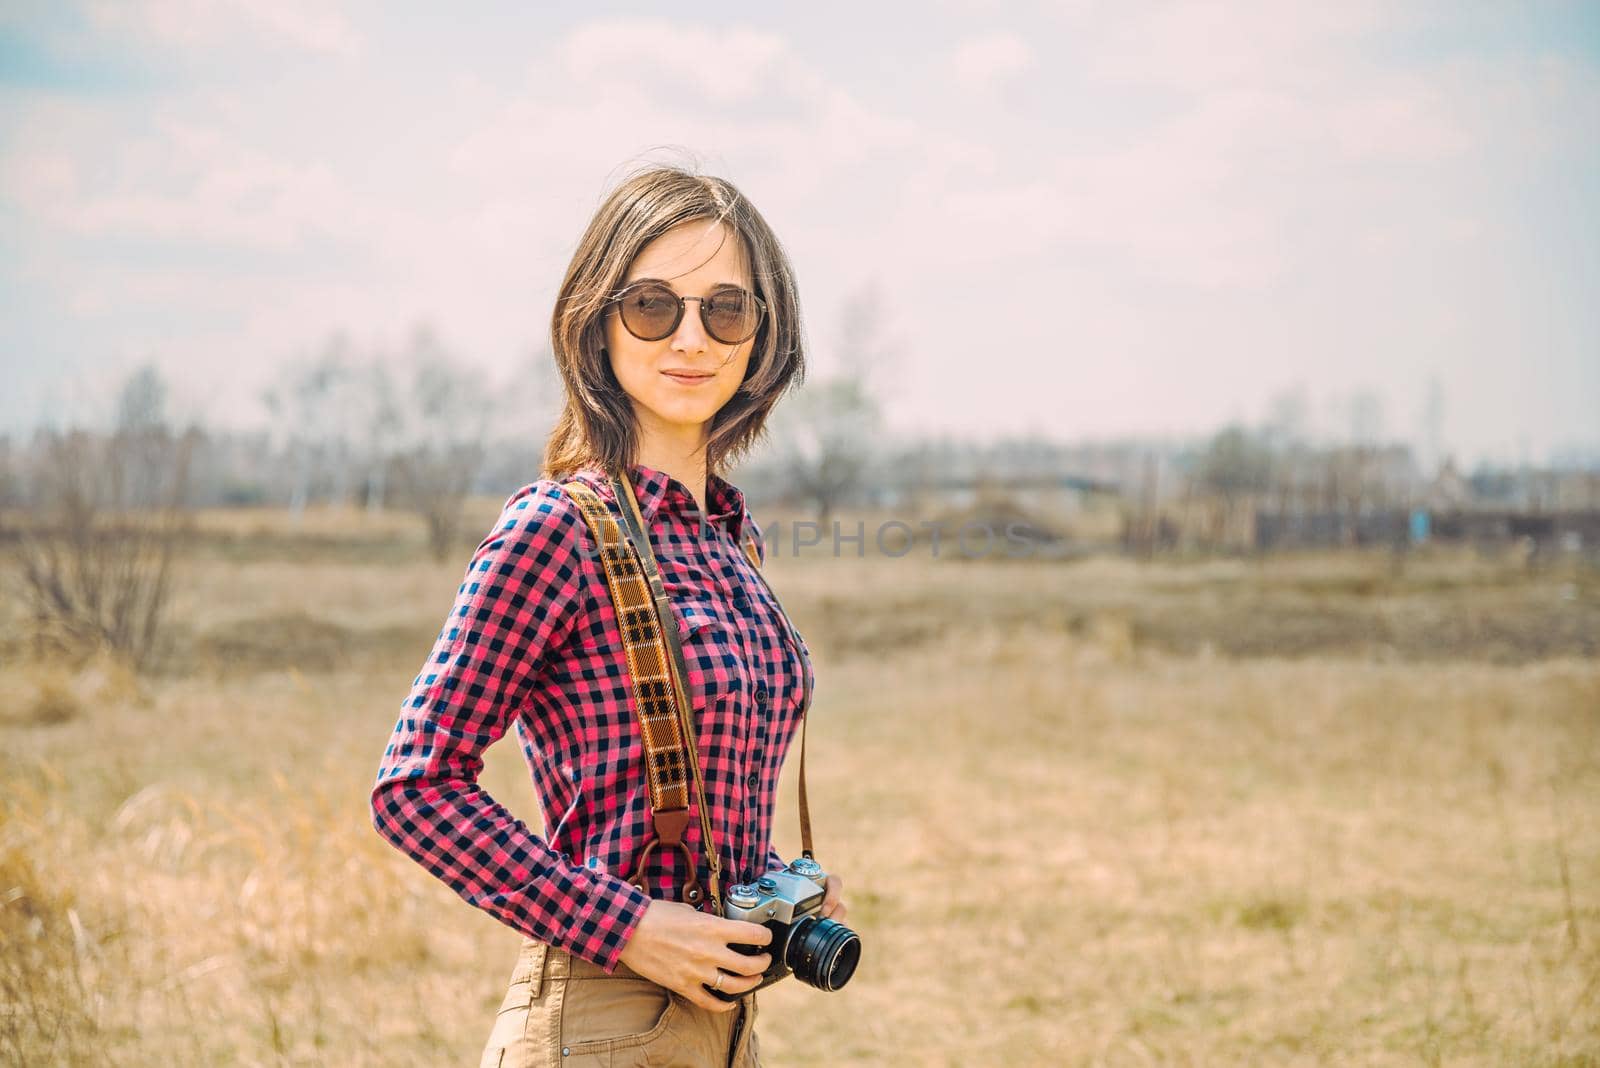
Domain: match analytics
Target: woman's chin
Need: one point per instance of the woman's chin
(680, 414)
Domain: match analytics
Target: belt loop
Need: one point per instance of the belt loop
(541, 953)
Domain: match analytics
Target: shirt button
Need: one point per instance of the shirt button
(761, 695)
(751, 780)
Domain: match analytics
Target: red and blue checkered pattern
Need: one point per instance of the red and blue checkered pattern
(532, 643)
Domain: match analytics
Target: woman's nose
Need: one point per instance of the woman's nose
(691, 333)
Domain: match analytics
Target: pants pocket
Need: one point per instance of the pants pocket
(507, 1045)
(601, 1017)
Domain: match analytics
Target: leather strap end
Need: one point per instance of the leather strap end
(670, 824)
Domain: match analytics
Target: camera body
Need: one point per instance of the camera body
(819, 952)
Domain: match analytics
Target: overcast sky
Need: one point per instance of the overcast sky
(1083, 219)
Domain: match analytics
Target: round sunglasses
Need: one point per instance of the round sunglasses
(651, 311)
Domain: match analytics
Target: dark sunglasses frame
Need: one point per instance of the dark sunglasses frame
(677, 318)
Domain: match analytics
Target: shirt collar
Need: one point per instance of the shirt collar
(656, 489)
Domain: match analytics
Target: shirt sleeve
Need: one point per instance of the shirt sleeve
(520, 598)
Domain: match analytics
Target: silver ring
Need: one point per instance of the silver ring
(721, 975)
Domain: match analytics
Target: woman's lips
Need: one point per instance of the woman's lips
(688, 380)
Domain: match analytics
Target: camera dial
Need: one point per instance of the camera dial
(743, 895)
(806, 866)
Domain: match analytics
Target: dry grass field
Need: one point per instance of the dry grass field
(1301, 811)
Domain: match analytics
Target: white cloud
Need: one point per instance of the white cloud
(981, 63)
(1196, 45)
(191, 177)
(306, 25)
(1405, 122)
(803, 130)
(664, 56)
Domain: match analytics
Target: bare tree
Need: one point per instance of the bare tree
(309, 403)
(95, 552)
(1432, 427)
(1236, 466)
(1366, 418)
(10, 483)
(377, 408)
(826, 435)
(826, 441)
(527, 403)
(443, 415)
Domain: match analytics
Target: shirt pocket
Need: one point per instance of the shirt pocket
(718, 675)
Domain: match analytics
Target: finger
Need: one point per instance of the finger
(702, 996)
(735, 984)
(751, 934)
(740, 964)
(706, 1000)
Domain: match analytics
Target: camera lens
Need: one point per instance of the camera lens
(823, 953)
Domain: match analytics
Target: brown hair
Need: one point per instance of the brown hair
(597, 426)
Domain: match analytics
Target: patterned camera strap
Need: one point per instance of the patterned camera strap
(658, 678)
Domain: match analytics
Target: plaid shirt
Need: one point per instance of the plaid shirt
(532, 643)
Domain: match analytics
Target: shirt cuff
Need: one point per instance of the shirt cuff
(602, 927)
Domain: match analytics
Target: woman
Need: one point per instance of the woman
(676, 329)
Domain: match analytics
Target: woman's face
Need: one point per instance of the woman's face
(693, 259)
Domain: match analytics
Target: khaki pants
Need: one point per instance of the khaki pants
(565, 1012)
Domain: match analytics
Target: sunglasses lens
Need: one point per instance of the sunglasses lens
(648, 312)
(731, 315)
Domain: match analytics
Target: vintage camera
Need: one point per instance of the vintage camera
(822, 953)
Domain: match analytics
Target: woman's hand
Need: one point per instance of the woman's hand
(681, 947)
(832, 901)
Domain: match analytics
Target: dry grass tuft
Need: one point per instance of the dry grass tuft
(54, 690)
